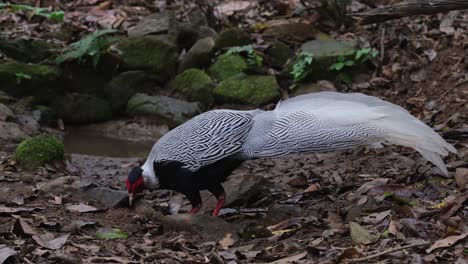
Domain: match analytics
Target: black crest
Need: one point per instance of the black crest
(134, 174)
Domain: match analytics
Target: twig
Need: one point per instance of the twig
(386, 252)
(382, 43)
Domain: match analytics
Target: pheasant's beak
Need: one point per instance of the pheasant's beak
(130, 199)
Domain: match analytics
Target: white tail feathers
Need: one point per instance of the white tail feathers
(398, 126)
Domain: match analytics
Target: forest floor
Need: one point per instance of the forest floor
(366, 205)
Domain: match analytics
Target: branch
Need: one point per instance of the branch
(386, 252)
(409, 8)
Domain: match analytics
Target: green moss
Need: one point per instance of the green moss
(27, 49)
(253, 90)
(232, 37)
(36, 71)
(227, 65)
(279, 53)
(147, 53)
(195, 85)
(34, 151)
(81, 109)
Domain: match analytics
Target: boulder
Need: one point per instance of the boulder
(208, 227)
(123, 86)
(27, 50)
(5, 113)
(232, 37)
(227, 65)
(149, 54)
(81, 108)
(37, 150)
(154, 24)
(199, 56)
(45, 115)
(279, 53)
(171, 110)
(327, 52)
(254, 90)
(21, 79)
(28, 124)
(11, 132)
(195, 85)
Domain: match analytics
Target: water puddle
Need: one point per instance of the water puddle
(85, 143)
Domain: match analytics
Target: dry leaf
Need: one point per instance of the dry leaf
(290, 258)
(461, 177)
(227, 241)
(6, 253)
(22, 228)
(81, 208)
(312, 188)
(376, 217)
(360, 235)
(53, 244)
(228, 8)
(446, 242)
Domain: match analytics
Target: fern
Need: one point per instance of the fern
(36, 11)
(301, 67)
(252, 57)
(90, 45)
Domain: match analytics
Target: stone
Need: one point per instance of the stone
(157, 23)
(207, 227)
(199, 56)
(106, 196)
(21, 79)
(243, 188)
(254, 90)
(45, 115)
(279, 53)
(280, 212)
(123, 86)
(171, 110)
(60, 185)
(195, 85)
(143, 208)
(81, 108)
(232, 37)
(327, 52)
(149, 54)
(27, 50)
(37, 150)
(227, 65)
(5, 113)
(11, 132)
(29, 124)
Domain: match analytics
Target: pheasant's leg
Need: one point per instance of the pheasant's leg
(195, 200)
(218, 191)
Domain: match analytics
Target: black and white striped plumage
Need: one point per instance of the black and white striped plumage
(217, 141)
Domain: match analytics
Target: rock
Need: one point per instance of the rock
(108, 197)
(313, 87)
(195, 85)
(11, 132)
(279, 53)
(81, 108)
(150, 54)
(208, 227)
(29, 124)
(37, 150)
(327, 52)
(5, 98)
(20, 79)
(122, 87)
(244, 188)
(280, 212)
(199, 56)
(5, 113)
(254, 90)
(143, 208)
(45, 115)
(232, 37)
(171, 110)
(227, 65)
(154, 24)
(27, 50)
(62, 185)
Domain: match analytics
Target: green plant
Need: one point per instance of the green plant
(301, 66)
(360, 56)
(91, 46)
(22, 76)
(34, 151)
(35, 11)
(252, 57)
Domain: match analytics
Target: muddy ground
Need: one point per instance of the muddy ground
(369, 206)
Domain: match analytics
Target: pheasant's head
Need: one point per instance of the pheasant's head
(135, 183)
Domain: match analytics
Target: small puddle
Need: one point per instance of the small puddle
(86, 143)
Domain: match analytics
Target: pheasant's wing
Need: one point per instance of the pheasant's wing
(204, 139)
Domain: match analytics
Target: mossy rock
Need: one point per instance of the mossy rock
(147, 53)
(34, 151)
(279, 53)
(227, 65)
(232, 37)
(82, 109)
(195, 85)
(27, 50)
(21, 79)
(253, 90)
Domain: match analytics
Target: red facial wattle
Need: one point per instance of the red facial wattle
(136, 187)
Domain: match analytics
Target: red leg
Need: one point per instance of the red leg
(194, 210)
(221, 199)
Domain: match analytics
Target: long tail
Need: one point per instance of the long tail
(329, 120)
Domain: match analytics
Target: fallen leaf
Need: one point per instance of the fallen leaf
(456, 204)
(392, 229)
(396, 189)
(416, 227)
(446, 242)
(376, 217)
(6, 253)
(312, 188)
(227, 255)
(431, 54)
(52, 244)
(369, 185)
(22, 228)
(290, 258)
(110, 233)
(87, 248)
(227, 241)
(461, 177)
(81, 208)
(285, 224)
(349, 253)
(418, 76)
(360, 235)
(14, 210)
(228, 8)
(108, 260)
